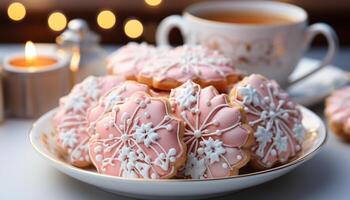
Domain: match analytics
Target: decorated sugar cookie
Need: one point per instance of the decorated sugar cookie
(337, 111)
(118, 94)
(278, 130)
(199, 64)
(129, 59)
(215, 133)
(139, 138)
(70, 121)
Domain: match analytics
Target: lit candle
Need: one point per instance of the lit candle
(31, 61)
(34, 81)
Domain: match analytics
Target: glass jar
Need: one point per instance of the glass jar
(87, 56)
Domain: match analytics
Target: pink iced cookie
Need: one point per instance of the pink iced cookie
(139, 138)
(215, 133)
(199, 64)
(337, 111)
(278, 130)
(116, 95)
(70, 121)
(128, 60)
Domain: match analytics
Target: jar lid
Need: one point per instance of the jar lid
(79, 34)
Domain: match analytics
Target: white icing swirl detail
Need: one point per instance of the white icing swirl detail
(203, 132)
(128, 148)
(274, 112)
(190, 60)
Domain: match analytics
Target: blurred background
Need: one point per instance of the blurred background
(120, 21)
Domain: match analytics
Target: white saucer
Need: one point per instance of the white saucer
(174, 188)
(318, 86)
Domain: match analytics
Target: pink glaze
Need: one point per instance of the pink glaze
(116, 95)
(138, 139)
(276, 120)
(189, 63)
(128, 60)
(70, 120)
(338, 106)
(213, 133)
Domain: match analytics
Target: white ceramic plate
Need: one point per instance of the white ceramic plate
(174, 188)
(316, 88)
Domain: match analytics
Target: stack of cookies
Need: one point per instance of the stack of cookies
(177, 113)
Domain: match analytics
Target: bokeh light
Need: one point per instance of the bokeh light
(153, 2)
(133, 28)
(106, 19)
(16, 11)
(57, 21)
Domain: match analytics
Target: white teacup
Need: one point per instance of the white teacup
(269, 49)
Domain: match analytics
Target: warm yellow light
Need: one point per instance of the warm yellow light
(153, 2)
(74, 65)
(133, 28)
(57, 21)
(75, 60)
(106, 19)
(30, 51)
(16, 11)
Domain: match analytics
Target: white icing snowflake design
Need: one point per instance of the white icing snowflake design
(116, 95)
(81, 95)
(76, 103)
(249, 95)
(130, 56)
(299, 131)
(263, 137)
(204, 131)
(187, 96)
(113, 98)
(74, 120)
(146, 134)
(69, 138)
(136, 145)
(213, 150)
(276, 120)
(195, 167)
(190, 62)
(91, 87)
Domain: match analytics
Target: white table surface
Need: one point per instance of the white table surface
(25, 175)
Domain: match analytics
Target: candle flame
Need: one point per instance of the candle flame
(30, 51)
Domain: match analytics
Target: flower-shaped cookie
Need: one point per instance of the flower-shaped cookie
(70, 121)
(196, 63)
(278, 130)
(116, 95)
(338, 112)
(129, 59)
(139, 138)
(215, 134)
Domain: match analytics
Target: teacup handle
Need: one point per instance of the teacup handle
(166, 25)
(332, 40)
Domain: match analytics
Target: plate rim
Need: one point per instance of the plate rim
(95, 174)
